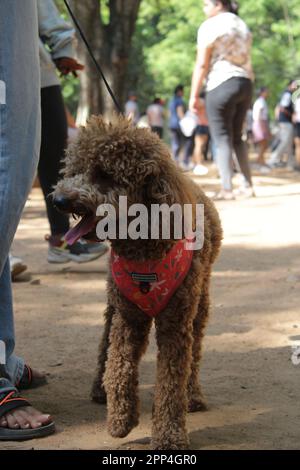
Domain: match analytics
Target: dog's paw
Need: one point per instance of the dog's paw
(121, 428)
(197, 404)
(171, 441)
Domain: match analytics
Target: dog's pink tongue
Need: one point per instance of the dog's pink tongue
(86, 224)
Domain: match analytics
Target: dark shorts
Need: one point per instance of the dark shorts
(158, 130)
(202, 130)
(297, 129)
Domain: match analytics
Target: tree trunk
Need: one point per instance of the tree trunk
(111, 43)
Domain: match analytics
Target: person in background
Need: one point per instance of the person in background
(261, 129)
(179, 142)
(297, 133)
(201, 137)
(286, 129)
(57, 53)
(58, 36)
(248, 127)
(155, 114)
(143, 121)
(224, 60)
(132, 109)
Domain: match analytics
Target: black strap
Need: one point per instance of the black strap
(93, 57)
(10, 401)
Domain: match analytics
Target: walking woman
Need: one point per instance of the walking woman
(223, 60)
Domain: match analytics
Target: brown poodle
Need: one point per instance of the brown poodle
(105, 162)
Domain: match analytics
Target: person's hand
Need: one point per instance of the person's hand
(66, 65)
(194, 104)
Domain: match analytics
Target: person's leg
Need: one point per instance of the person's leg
(284, 143)
(175, 143)
(19, 138)
(290, 146)
(262, 147)
(241, 147)
(157, 130)
(188, 149)
(53, 144)
(200, 144)
(220, 110)
(6, 311)
(297, 147)
(197, 150)
(14, 365)
(19, 151)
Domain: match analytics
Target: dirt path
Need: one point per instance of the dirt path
(249, 380)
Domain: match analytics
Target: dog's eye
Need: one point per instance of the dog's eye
(102, 179)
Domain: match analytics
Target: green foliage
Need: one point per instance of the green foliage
(165, 42)
(164, 46)
(165, 39)
(71, 90)
(70, 84)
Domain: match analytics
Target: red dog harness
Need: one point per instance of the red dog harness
(151, 284)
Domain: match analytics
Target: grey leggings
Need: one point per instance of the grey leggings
(227, 106)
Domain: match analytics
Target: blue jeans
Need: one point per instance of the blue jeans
(19, 147)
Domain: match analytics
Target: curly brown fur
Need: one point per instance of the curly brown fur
(98, 393)
(106, 161)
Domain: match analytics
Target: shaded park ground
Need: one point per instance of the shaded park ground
(250, 383)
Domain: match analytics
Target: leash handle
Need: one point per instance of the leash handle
(93, 57)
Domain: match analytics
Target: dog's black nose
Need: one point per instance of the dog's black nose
(62, 203)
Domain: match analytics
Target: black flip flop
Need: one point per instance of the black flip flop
(10, 401)
(28, 381)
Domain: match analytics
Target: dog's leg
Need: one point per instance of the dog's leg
(98, 393)
(174, 339)
(195, 396)
(128, 341)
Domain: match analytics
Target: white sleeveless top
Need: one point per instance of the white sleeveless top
(297, 109)
(231, 40)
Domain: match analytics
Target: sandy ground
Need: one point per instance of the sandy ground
(250, 383)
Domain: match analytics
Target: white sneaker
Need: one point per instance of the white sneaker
(80, 252)
(200, 170)
(17, 266)
(95, 247)
(262, 169)
(187, 166)
(246, 192)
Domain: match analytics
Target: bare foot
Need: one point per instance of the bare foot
(24, 418)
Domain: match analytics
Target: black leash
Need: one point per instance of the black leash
(93, 57)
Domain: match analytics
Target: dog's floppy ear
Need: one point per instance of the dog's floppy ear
(167, 185)
(170, 187)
